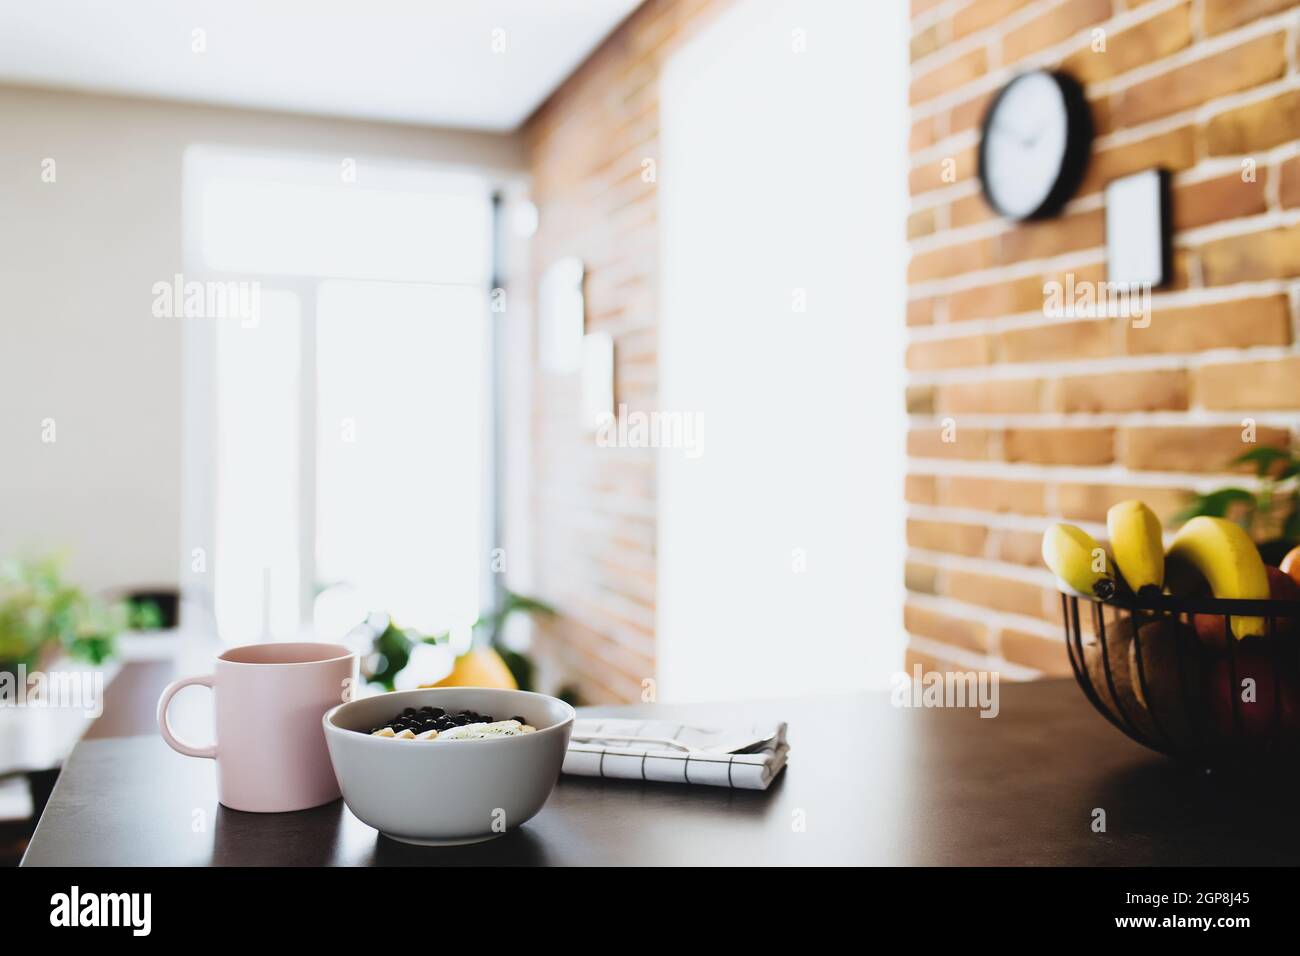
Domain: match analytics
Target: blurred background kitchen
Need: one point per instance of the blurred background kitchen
(546, 343)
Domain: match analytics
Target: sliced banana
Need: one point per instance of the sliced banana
(427, 735)
(405, 735)
(500, 728)
(384, 732)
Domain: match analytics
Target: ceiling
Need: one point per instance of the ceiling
(429, 62)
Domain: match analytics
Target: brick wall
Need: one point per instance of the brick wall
(594, 508)
(1061, 418)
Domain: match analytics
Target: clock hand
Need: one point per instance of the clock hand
(1004, 130)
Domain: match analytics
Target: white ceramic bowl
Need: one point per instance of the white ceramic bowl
(446, 792)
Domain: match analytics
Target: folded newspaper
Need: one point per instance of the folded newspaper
(744, 757)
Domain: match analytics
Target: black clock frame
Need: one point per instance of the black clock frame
(1078, 145)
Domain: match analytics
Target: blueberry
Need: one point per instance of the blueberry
(518, 718)
(408, 712)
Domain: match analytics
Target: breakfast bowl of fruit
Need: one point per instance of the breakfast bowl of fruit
(451, 765)
(1191, 648)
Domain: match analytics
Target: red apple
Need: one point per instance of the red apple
(1262, 676)
(1290, 565)
(1281, 587)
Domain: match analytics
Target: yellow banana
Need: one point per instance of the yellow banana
(1137, 545)
(1078, 561)
(1228, 560)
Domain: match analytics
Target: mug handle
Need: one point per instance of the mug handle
(164, 725)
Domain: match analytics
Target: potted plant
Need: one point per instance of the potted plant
(487, 663)
(42, 615)
(1270, 514)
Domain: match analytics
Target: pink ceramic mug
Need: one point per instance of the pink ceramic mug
(270, 749)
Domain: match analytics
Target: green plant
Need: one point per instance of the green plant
(392, 646)
(1271, 514)
(40, 611)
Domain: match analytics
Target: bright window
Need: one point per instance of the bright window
(348, 425)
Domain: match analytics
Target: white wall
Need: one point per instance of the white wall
(78, 342)
(780, 547)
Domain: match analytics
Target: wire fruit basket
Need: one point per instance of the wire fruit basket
(1169, 673)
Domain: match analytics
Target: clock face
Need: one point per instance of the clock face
(1035, 145)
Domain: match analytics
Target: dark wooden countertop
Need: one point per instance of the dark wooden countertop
(867, 783)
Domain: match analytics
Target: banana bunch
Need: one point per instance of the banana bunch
(1223, 554)
(1137, 540)
(1213, 549)
(1080, 564)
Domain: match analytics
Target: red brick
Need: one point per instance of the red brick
(992, 396)
(1009, 297)
(1174, 150)
(920, 489)
(1269, 254)
(968, 113)
(1143, 43)
(920, 577)
(1045, 654)
(1256, 126)
(1078, 501)
(1056, 24)
(947, 261)
(923, 622)
(947, 77)
(1274, 383)
(1009, 595)
(968, 443)
(1052, 237)
(920, 312)
(969, 210)
(1234, 324)
(965, 539)
(1228, 71)
(1017, 547)
(1213, 200)
(1221, 15)
(1060, 446)
(927, 41)
(920, 224)
(979, 16)
(919, 399)
(948, 353)
(1289, 187)
(943, 172)
(991, 494)
(1087, 338)
(1192, 448)
(1158, 390)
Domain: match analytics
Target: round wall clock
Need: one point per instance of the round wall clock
(1034, 145)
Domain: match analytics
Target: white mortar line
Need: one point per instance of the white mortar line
(1112, 474)
(972, 660)
(1194, 52)
(994, 619)
(1195, 417)
(1286, 21)
(1048, 56)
